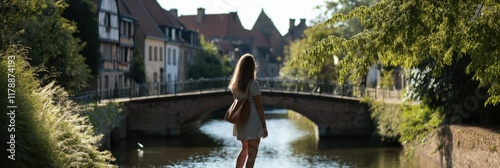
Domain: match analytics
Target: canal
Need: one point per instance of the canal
(292, 143)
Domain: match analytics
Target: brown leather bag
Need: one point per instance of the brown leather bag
(239, 111)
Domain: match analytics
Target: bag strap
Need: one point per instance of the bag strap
(248, 90)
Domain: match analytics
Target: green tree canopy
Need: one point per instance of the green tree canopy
(82, 12)
(325, 64)
(297, 47)
(408, 33)
(209, 63)
(39, 25)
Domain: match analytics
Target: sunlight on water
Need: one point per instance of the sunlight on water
(292, 143)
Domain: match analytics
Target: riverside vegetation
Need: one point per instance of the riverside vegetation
(50, 129)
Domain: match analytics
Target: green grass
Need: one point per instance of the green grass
(50, 129)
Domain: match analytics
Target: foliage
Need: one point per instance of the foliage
(138, 67)
(209, 63)
(39, 25)
(418, 121)
(104, 118)
(453, 89)
(387, 79)
(77, 145)
(83, 13)
(388, 118)
(325, 65)
(409, 32)
(31, 143)
(49, 128)
(297, 47)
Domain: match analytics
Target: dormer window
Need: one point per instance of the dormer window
(173, 34)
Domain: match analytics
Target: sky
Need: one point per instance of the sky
(280, 11)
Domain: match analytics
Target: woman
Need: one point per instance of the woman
(255, 128)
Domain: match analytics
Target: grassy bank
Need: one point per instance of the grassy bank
(49, 130)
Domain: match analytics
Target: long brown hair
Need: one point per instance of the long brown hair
(244, 71)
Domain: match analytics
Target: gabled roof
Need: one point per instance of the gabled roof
(265, 24)
(123, 10)
(260, 40)
(217, 25)
(146, 22)
(159, 15)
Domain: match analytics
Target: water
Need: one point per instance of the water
(292, 143)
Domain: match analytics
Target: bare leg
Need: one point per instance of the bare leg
(253, 148)
(243, 154)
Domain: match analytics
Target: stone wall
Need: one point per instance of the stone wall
(461, 146)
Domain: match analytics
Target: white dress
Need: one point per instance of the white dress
(252, 129)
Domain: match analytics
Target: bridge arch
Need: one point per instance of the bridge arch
(173, 114)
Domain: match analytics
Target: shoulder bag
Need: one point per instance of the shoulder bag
(240, 109)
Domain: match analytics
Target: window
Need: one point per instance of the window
(156, 53)
(131, 30)
(106, 82)
(173, 34)
(107, 51)
(162, 75)
(122, 28)
(161, 54)
(107, 21)
(125, 58)
(174, 59)
(155, 77)
(168, 56)
(150, 53)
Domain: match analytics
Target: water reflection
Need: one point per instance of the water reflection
(292, 142)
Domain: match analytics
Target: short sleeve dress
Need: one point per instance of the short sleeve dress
(252, 129)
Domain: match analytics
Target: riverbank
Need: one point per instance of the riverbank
(460, 146)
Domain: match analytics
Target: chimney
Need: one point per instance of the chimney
(292, 24)
(302, 21)
(173, 11)
(201, 14)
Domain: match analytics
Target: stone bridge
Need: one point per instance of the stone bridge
(170, 115)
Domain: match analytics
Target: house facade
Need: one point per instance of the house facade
(126, 45)
(111, 70)
(178, 45)
(150, 39)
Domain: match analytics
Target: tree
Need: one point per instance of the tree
(39, 25)
(292, 69)
(209, 63)
(413, 33)
(326, 70)
(82, 12)
(138, 67)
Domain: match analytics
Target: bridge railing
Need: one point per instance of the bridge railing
(200, 85)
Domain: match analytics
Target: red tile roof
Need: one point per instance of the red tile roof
(159, 15)
(217, 26)
(146, 22)
(259, 39)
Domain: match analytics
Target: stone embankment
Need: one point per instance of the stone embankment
(461, 146)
